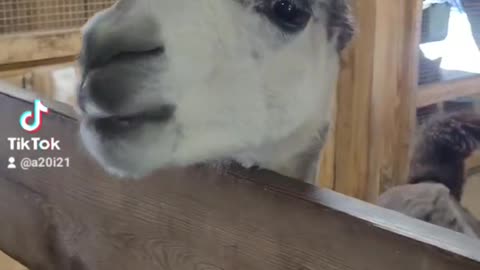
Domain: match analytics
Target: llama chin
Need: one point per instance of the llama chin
(179, 82)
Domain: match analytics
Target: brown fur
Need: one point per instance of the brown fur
(437, 175)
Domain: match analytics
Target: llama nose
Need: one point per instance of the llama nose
(127, 27)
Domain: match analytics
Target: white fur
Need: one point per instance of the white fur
(242, 90)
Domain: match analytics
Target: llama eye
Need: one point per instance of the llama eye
(289, 15)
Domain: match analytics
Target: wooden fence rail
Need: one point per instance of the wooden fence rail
(197, 218)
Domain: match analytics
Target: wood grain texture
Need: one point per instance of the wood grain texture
(375, 115)
(198, 218)
(352, 122)
(395, 83)
(6, 263)
(444, 91)
(38, 46)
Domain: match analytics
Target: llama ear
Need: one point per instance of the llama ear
(340, 23)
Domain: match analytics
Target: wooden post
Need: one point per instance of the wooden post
(326, 174)
(375, 98)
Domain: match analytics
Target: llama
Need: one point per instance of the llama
(437, 176)
(172, 83)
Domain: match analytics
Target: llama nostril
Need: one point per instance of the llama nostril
(159, 50)
(125, 28)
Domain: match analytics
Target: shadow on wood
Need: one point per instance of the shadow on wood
(197, 218)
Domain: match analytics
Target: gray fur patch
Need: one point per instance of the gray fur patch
(340, 22)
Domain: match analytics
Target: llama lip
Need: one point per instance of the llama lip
(99, 62)
(120, 123)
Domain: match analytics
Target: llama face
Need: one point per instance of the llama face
(177, 82)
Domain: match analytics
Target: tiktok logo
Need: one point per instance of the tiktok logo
(36, 117)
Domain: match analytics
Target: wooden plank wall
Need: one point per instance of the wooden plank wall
(197, 218)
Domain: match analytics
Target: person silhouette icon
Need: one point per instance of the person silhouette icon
(11, 163)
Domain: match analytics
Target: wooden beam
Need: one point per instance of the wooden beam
(197, 218)
(447, 90)
(352, 126)
(20, 48)
(375, 116)
(395, 82)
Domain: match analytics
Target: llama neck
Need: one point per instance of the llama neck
(296, 156)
